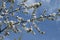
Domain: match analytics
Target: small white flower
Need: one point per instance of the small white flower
(36, 27)
(35, 5)
(28, 29)
(6, 21)
(24, 24)
(25, 11)
(28, 20)
(53, 14)
(10, 24)
(4, 5)
(11, 21)
(41, 18)
(13, 26)
(1, 16)
(50, 15)
(6, 11)
(17, 9)
(45, 16)
(19, 18)
(35, 16)
(3, 13)
(14, 30)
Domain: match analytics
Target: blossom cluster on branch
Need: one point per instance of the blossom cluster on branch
(6, 13)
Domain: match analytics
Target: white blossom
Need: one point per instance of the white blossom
(11, 25)
(12, 22)
(33, 14)
(4, 5)
(1, 16)
(28, 20)
(53, 14)
(51, 18)
(41, 18)
(19, 18)
(3, 13)
(35, 5)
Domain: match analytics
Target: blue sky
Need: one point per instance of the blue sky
(52, 28)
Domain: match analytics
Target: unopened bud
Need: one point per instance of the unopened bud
(6, 33)
(42, 32)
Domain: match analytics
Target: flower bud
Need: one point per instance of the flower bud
(42, 32)
(6, 34)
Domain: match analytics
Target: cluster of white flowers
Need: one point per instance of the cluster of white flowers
(13, 25)
(35, 5)
(52, 16)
